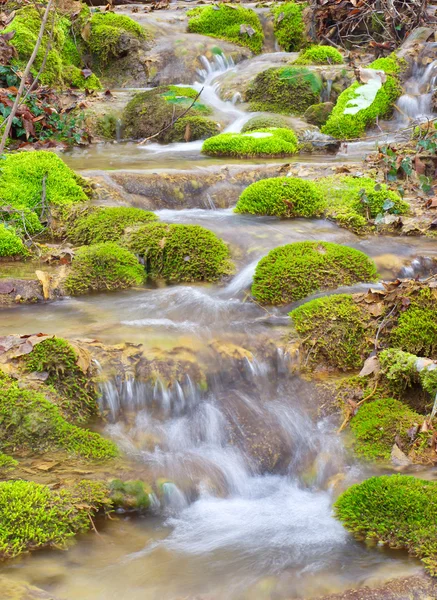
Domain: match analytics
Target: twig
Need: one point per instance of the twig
(382, 324)
(93, 526)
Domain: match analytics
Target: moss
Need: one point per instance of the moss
(319, 55)
(130, 495)
(106, 30)
(58, 359)
(318, 114)
(399, 368)
(416, 331)
(34, 516)
(10, 243)
(332, 331)
(289, 26)
(29, 421)
(293, 271)
(265, 142)
(264, 122)
(282, 197)
(180, 252)
(73, 77)
(104, 126)
(378, 424)
(226, 22)
(7, 464)
(428, 379)
(149, 112)
(397, 510)
(191, 129)
(103, 267)
(287, 90)
(103, 224)
(391, 65)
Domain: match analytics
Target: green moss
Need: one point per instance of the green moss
(282, 197)
(293, 271)
(7, 464)
(416, 328)
(332, 331)
(318, 114)
(319, 55)
(73, 77)
(397, 510)
(264, 122)
(391, 65)
(103, 126)
(103, 267)
(226, 22)
(106, 31)
(130, 495)
(289, 26)
(399, 368)
(377, 425)
(58, 358)
(265, 142)
(193, 128)
(10, 243)
(34, 516)
(31, 422)
(103, 224)
(428, 379)
(287, 90)
(180, 252)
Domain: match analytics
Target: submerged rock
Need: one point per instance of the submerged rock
(17, 590)
(419, 587)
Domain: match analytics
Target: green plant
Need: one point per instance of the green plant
(10, 243)
(228, 22)
(7, 464)
(416, 331)
(397, 510)
(319, 55)
(106, 31)
(289, 26)
(264, 142)
(264, 122)
(74, 77)
(180, 252)
(106, 224)
(293, 271)
(399, 368)
(103, 267)
(130, 495)
(332, 331)
(282, 197)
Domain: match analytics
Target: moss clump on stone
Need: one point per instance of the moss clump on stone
(293, 271)
(58, 359)
(264, 143)
(11, 244)
(190, 129)
(287, 90)
(289, 26)
(29, 421)
(106, 224)
(7, 464)
(319, 55)
(399, 368)
(332, 332)
(227, 22)
(282, 197)
(149, 112)
(73, 77)
(106, 30)
(416, 328)
(103, 267)
(34, 516)
(397, 510)
(180, 252)
(318, 114)
(264, 122)
(379, 424)
(130, 495)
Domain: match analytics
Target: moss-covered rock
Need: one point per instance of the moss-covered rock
(73, 77)
(319, 55)
(11, 244)
(332, 331)
(318, 114)
(293, 271)
(107, 31)
(268, 142)
(149, 112)
(230, 22)
(397, 510)
(190, 129)
(103, 267)
(282, 197)
(106, 224)
(180, 252)
(287, 90)
(264, 122)
(130, 495)
(289, 26)
(416, 327)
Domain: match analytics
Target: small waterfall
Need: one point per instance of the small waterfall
(118, 130)
(416, 103)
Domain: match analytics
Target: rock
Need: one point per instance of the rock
(20, 291)
(317, 114)
(14, 590)
(418, 587)
(398, 458)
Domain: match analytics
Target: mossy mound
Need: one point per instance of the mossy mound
(416, 327)
(58, 359)
(106, 30)
(34, 516)
(228, 22)
(282, 197)
(190, 129)
(29, 421)
(318, 114)
(293, 271)
(264, 122)
(180, 252)
(289, 26)
(103, 267)
(397, 510)
(379, 424)
(11, 244)
(268, 142)
(149, 112)
(319, 55)
(332, 332)
(130, 495)
(353, 201)
(287, 90)
(73, 77)
(106, 224)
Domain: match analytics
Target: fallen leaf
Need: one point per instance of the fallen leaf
(370, 366)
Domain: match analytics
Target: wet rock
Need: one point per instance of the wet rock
(15, 590)
(318, 114)
(398, 458)
(420, 587)
(20, 291)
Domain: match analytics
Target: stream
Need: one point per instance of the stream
(224, 528)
